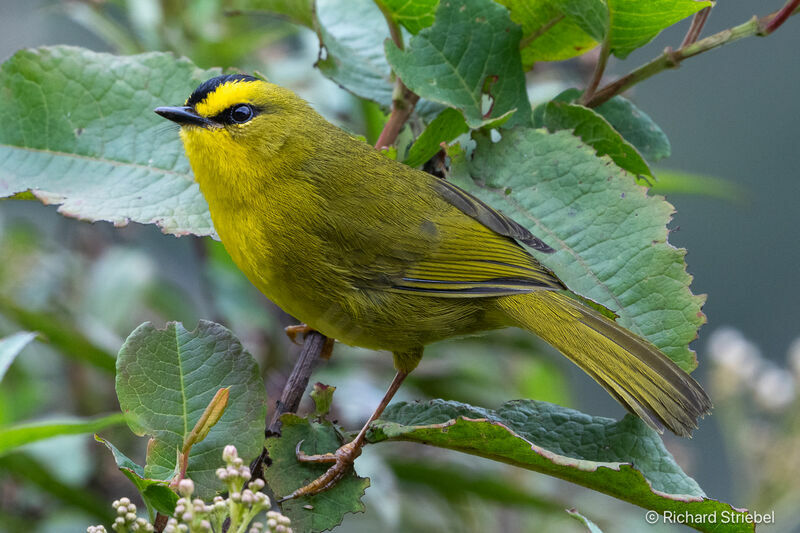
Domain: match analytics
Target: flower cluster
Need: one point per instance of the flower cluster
(242, 506)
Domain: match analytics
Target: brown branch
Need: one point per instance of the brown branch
(293, 390)
(672, 58)
(698, 21)
(403, 99)
(599, 68)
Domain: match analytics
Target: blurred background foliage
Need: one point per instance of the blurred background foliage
(88, 286)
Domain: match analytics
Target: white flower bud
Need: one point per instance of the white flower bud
(130, 517)
(229, 453)
(774, 389)
(256, 485)
(187, 517)
(186, 487)
(272, 523)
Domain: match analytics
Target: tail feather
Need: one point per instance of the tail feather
(632, 370)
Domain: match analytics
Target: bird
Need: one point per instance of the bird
(376, 254)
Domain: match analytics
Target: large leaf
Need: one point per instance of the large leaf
(594, 130)
(286, 474)
(610, 237)
(85, 136)
(553, 30)
(156, 493)
(441, 64)
(635, 23)
(11, 346)
(625, 458)
(353, 55)
(166, 379)
(17, 435)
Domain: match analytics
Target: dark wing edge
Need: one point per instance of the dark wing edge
(489, 217)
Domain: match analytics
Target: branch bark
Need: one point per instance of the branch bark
(672, 58)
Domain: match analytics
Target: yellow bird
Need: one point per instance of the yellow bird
(377, 254)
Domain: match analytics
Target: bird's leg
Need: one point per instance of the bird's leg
(293, 331)
(344, 457)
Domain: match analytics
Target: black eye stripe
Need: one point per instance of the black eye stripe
(235, 114)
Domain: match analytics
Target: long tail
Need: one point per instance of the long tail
(631, 369)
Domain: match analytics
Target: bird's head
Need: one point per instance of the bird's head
(238, 125)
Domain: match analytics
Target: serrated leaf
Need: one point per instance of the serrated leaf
(632, 123)
(11, 346)
(155, 492)
(610, 236)
(594, 130)
(624, 459)
(433, 64)
(85, 136)
(20, 434)
(166, 379)
(635, 23)
(444, 128)
(413, 15)
(297, 11)
(636, 127)
(551, 31)
(286, 474)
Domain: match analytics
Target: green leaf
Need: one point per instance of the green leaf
(28, 470)
(297, 11)
(590, 15)
(635, 23)
(675, 182)
(166, 379)
(414, 15)
(20, 434)
(610, 237)
(433, 65)
(444, 128)
(353, 56)
(591, 527)
(59, 333)
(594, 130)
(155, 492)
(624, 459)
(636, 127)
(11, 346)
(286, 474)
(85, 136)
(553, 30)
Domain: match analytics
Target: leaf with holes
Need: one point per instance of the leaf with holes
(166, 379)
(624, 459)
(469, 60)
(610, 236)
(85, 136)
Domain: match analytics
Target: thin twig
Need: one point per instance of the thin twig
(673, 58)
(403, 99)
(698, 21)
(599, 69)
(775, 22)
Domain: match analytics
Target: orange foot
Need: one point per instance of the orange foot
(293, 331)
(342, 460)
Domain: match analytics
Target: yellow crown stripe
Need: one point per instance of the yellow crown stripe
(226, 95)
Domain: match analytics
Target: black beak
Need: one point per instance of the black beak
(185, 116)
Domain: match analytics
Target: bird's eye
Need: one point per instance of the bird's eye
(241, 114)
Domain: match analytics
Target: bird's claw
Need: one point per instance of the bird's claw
(342, 460)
